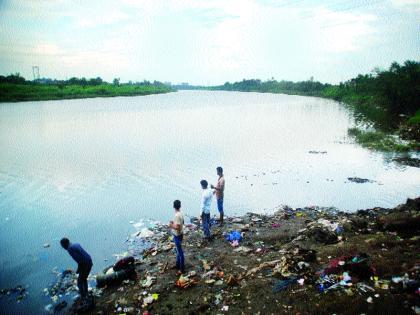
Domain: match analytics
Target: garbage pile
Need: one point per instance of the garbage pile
(63, 291)
(272, 263)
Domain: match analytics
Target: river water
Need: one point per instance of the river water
(87, 168)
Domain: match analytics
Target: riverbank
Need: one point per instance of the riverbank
(381, 141)
(296, 261)
(386, 100)
(10, 92)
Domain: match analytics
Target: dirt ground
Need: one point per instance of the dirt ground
(296, 261)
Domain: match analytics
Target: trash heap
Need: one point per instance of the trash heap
(63, 291)
(305, 260)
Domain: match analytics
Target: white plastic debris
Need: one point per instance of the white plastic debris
(146, 233)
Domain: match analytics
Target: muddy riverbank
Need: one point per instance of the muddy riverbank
(296, 261)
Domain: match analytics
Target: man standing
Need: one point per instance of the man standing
(205, 208)
(219, 191)
(176, 225)
(84, 264)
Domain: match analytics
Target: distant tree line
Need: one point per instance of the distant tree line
(16, 78)
(13, 78)
(14, 88)
(308, 87)
(397, 90)
(383, 96)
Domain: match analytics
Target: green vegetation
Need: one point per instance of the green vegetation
(311, 88)
(415, 120)
(385, 98)
(14, 88)
(379, 140)
(388, 100)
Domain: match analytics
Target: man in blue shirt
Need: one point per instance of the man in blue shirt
(84, 264)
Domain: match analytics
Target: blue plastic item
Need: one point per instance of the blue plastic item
(234, 236)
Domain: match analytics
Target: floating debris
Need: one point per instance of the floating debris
(359, 180)
(18, 293)
(317, 152)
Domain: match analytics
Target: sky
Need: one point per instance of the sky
(207, 42)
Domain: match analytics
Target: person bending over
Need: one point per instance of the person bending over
(84, 264)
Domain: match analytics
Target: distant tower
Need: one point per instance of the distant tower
(35, 72)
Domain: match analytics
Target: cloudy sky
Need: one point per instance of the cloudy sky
(209, 41)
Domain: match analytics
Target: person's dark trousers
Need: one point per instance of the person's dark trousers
(179, 253)
(205, 217)
(83, 271)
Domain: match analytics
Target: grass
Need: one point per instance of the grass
(30, 92)
(379, 140)
(415, 120)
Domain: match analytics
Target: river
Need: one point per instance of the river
(87, 168)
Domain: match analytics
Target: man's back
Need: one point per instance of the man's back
(220, 187)
(206, 200)
(79, 254)
(179, 219)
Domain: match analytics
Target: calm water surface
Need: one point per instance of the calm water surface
(86, 168)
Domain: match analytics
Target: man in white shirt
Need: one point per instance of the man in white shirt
(206, 197)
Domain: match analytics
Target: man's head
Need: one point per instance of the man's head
(65, 243)
(219, 170)
(177, 204)
(204, 184)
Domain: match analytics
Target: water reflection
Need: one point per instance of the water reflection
(85, 168)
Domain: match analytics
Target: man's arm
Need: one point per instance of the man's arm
(175, 226)
(220, 185)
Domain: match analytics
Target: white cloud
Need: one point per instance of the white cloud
(230, 43)
(47, 49)
(407, 5)
(342, 31)
(191, 40)
(94, 20)
(402, 3)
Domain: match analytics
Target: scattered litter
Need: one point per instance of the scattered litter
(150, 299)
(184, 282)
(234, 243)
(19, 292)
(283, 284)
(234, 236)
(146, 283)
(243, 249)
(359, 180)
(146, 233)
(317, 152)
